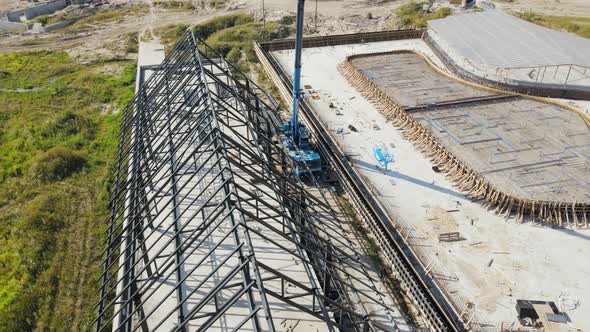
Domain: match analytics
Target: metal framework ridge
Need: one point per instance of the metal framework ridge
(207, 228)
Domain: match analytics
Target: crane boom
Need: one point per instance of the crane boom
(296, 136)
(297, 70)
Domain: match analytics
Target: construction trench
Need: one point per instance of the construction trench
(412, 118)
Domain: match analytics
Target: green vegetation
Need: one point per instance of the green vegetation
(43, 19)
(188, 5)
(207, 28)
(132, 43)
(180, 5)
(56, 147)
(57, 164)
(90, 19)
(576, 24)
(231, 35)
(27, 70)
(216, 4)
(412, 15)
(57, 17)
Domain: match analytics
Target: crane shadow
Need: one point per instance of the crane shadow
(375, 169)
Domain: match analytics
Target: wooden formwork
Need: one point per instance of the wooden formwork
(553, 213)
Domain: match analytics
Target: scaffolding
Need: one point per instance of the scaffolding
(209, 229)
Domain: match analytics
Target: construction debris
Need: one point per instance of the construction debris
(450, 237)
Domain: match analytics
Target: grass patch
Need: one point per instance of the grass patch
(575, 24)
(36, 41)
(217, 4)
(132, 43)
(231, 35)
(175, 5)
(56, 147)
(57, 17)
(90, 19)
(32, 69)
(57, 164)
(412, 15)
(207, 28)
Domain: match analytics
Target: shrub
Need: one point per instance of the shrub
(288, 20)
(57, 164)
(205, 29)
(235, 55)
(43, 19)
(42, 213)
(216, 4)
(413, 16)
(184, 5)
(69, 124)
(132, 43)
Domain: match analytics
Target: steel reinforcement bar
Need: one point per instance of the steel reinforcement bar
(553, 213)
(425, 296)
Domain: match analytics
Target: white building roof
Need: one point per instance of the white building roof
(498, 39)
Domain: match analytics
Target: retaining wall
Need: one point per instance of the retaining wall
(323, 41)
(34, 11)
(59, 25)
(45, 9)
(14, 16)
(12, 26)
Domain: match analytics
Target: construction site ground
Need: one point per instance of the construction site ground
(497, 261)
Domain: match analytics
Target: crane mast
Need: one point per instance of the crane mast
(297, 70)
(295, 133)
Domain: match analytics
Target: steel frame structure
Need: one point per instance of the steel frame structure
(204, 208)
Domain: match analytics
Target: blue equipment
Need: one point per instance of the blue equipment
(382, 156)
(296, 134)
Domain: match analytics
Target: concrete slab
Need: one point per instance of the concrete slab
(513, 142)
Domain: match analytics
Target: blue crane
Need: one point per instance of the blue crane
(296, 133)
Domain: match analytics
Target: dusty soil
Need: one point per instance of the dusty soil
(548, 7)
(6, 5)
(332, 17)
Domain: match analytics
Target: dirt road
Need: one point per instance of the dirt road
(549, 7)
(331, 12)
(334, 16)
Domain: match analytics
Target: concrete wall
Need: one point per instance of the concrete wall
(59, 25)
(12, 26)
(14, 16)
(45, 9)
